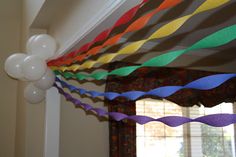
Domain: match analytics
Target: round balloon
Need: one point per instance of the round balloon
(33, 68)
(42, 45)
(29, 42)
(33, 94)
(46, 81)
(13, 65)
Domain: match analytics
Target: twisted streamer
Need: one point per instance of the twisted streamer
(164, 31)
(216, 120)
(204, 83)
(136, 25)
(218, 38)
(125, 18)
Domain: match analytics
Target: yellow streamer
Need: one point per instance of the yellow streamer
(164, 31)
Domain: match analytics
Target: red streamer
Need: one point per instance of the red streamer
(136, 25)
(102, 36)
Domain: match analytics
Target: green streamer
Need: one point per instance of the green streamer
(216, 39)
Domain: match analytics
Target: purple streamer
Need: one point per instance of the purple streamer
(216, 120)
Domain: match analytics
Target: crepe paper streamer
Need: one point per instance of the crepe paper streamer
(204, 83)
(136, 25)
(125, 18)
(218, 38)
(216, 120)
(164, 31)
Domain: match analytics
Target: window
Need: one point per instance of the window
(188, 140)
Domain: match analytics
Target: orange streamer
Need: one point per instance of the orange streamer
(136, 25)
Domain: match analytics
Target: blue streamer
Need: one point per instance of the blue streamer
(204, 83)
(216, 120)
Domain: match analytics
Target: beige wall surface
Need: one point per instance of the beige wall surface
(21, 124)
(9, 43)
(29, 139)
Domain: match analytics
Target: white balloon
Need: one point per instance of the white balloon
(46, 81)
(42, 45)
(29, 42)
(13, 65)
(33, 94)
(33, 68)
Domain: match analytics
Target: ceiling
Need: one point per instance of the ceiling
(193, 30)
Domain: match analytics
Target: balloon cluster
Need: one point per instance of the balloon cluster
(32, 67)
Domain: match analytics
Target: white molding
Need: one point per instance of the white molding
(52, 123)
(106, 11)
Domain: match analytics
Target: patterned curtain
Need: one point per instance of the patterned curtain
(122, 134)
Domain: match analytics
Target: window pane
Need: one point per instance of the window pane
(156, 138)
(189, 140)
